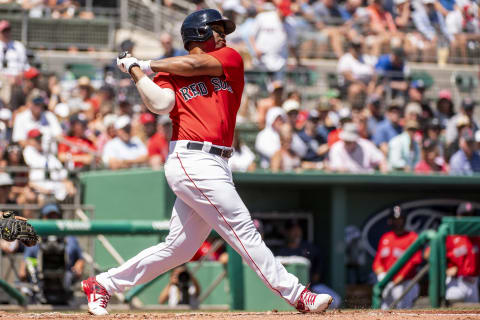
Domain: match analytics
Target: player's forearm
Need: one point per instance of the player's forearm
(189, 65)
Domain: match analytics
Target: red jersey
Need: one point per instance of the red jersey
(391, 247)
(461, 254)
(82, 144)
(158, 145)
(205, 106)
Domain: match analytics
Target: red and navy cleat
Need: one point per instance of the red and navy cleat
(313, 302)
(97, 297)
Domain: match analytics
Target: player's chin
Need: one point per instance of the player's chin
(220, 44)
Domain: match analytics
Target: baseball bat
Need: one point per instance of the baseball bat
(122, 55)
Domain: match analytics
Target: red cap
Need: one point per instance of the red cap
(285, 7)
(34, 133)
(31, 73)
(445, 94)
(147, 118)
(4, 24)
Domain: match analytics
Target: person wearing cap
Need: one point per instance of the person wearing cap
(157, 143)
(36, 116)
(391, 72)
(124, 151)
(13, 55)
(344, 116)
(445, 107)
(74, 261)
(431, 161)
(403, 150)
(47, 175)
(31, 80)
(376, 116)
(416, 91)
(390, 248)
(267, 141)
(388, 128)
(272, 37)
(355, 71)
(317, 146)
(355, 154)
(465, 161)
(466, 110)
(462, 263)
(76, 150)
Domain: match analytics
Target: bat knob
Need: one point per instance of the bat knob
(122, 55)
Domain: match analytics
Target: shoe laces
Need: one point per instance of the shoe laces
(104, 296)
(308, 297)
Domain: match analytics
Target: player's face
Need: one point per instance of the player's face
(219, 35)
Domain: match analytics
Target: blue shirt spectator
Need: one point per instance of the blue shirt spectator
(448, 4)
(465, 161)
(388, 128)
(392, 66)
(330, 13)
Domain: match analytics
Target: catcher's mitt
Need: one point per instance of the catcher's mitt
(17, 228)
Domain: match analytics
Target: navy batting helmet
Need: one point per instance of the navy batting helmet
(196, 26)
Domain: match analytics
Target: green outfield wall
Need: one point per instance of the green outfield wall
(335, 200)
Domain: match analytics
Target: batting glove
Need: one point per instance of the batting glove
(125, 64)
(145, 66)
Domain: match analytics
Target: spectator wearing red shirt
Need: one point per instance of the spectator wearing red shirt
(345, 116)
(431, 161)
(157, 144)
(76, 151)
(391, 247)
(462, 263)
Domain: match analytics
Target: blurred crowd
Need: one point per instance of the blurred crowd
(54, 9)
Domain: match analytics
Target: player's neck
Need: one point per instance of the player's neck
(196, 50)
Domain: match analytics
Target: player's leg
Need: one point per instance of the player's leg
(454, 291)
(204, 183)
(187, 232)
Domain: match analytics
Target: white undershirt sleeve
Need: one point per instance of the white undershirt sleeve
(158, 100)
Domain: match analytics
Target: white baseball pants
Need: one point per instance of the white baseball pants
(462, 289)
(395, 291)
(206, 199)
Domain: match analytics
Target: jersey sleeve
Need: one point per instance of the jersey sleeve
(377, 262)
(163, 80)
(232, 63)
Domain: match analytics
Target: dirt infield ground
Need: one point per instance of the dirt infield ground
(331, 315)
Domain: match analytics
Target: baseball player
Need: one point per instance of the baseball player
(462, 263)
(202, 93)
(390, 248)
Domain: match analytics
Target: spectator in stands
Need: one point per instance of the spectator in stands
(403, 150)
(157, 144)
(356, 72)
(47, 175)
(390, 247)
(243, 159)
(317, 147)
(375, 109)
(467, 109)
(182, 288)
(413, 111)
(416, 91)
(391, 71)
(463, 123)
(267, 141)
(291, 106)
(169, 50)
(431, 161)
(463, 25)
(344, 117)
(296, 246)
(124, 151)
(37, 117)
(108, 133)
(272, 37)
(355, 154)
(31, 79)
(462, 257)
(5, 126)
(13, 60)
(285, 159)
(74, 261)
(403, 13)
(76, 150)
(382, 25)
(329, 18)
(431, 24)
(433, 131)
(445, 107)
(275, 99)
(465, 161)
(388, 128)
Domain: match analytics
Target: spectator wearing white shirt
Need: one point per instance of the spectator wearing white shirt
(356, 72)
(124, 151)
(47, 175)
(13, 60)
(37, 117)
(354, 154)
(268, 140)
(243, 159)
(272, 37)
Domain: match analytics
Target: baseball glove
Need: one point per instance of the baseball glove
(17, 228)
